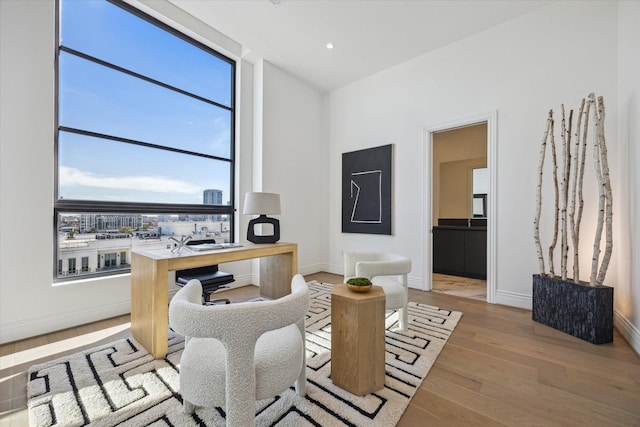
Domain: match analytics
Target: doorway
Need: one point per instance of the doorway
(461, 182)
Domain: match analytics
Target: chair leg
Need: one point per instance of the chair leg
(187, 406)
(403, 319)
(301, 382)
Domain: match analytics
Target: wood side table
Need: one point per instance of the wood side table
(357, 339)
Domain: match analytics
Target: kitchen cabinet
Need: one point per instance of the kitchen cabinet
(460, 250)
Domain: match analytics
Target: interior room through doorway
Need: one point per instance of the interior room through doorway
(460, 190)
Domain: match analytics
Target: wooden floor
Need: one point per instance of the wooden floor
(459, 286)
(499, 368)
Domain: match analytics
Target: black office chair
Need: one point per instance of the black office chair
(210, 277)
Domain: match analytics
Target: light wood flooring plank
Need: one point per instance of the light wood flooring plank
(427, 405)
(459, 286)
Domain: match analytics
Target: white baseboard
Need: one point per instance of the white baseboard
(514, 299)
(416, 283)
(313, 268)
(335, 269)
(627, 330)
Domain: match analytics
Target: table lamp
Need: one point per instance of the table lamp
(262, 204)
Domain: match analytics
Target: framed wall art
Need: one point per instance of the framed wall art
(366, 190)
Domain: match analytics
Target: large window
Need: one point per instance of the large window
(145, 137)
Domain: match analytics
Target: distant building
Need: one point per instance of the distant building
(96, 252)
(108, 222)
(197, 229)
(212, 197)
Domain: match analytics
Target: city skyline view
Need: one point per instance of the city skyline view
(90, 243)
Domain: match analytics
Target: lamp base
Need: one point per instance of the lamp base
(263, 219)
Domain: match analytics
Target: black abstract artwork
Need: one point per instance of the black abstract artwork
(366, 190)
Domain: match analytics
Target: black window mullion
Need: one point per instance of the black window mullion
(131, 9)
(69, 206)
(141, 77)
(140, 143)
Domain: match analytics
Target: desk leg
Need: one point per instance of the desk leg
(276, 272)
(149, 304)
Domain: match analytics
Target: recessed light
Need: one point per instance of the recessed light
(330, 46)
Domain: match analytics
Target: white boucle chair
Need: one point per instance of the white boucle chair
(383, 269)
(238, 353)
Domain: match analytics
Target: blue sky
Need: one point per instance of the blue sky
(102, 100)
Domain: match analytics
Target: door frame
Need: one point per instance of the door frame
(491, 119)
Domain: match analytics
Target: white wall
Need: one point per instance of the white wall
(521, 69)
(30, 304)
(627, 183)
(295, 163)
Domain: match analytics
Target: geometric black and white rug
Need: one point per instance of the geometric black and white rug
(122, 384)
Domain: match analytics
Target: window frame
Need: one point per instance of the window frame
(70, 206)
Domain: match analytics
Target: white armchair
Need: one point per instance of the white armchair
(238, 353)
(383, 269)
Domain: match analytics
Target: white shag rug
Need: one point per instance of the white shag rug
(121, 384)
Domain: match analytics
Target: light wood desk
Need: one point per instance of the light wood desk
(149, 283)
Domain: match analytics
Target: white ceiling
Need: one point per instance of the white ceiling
(369, 35)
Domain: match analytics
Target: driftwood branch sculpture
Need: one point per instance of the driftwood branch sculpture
(576, 193)
(583, 161)
(569, 202)
(605, 197)
(536, 220)
(554, 166)
(564, 191)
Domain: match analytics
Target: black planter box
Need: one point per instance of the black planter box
(581, 310)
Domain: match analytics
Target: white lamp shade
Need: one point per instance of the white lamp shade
(261, 204)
